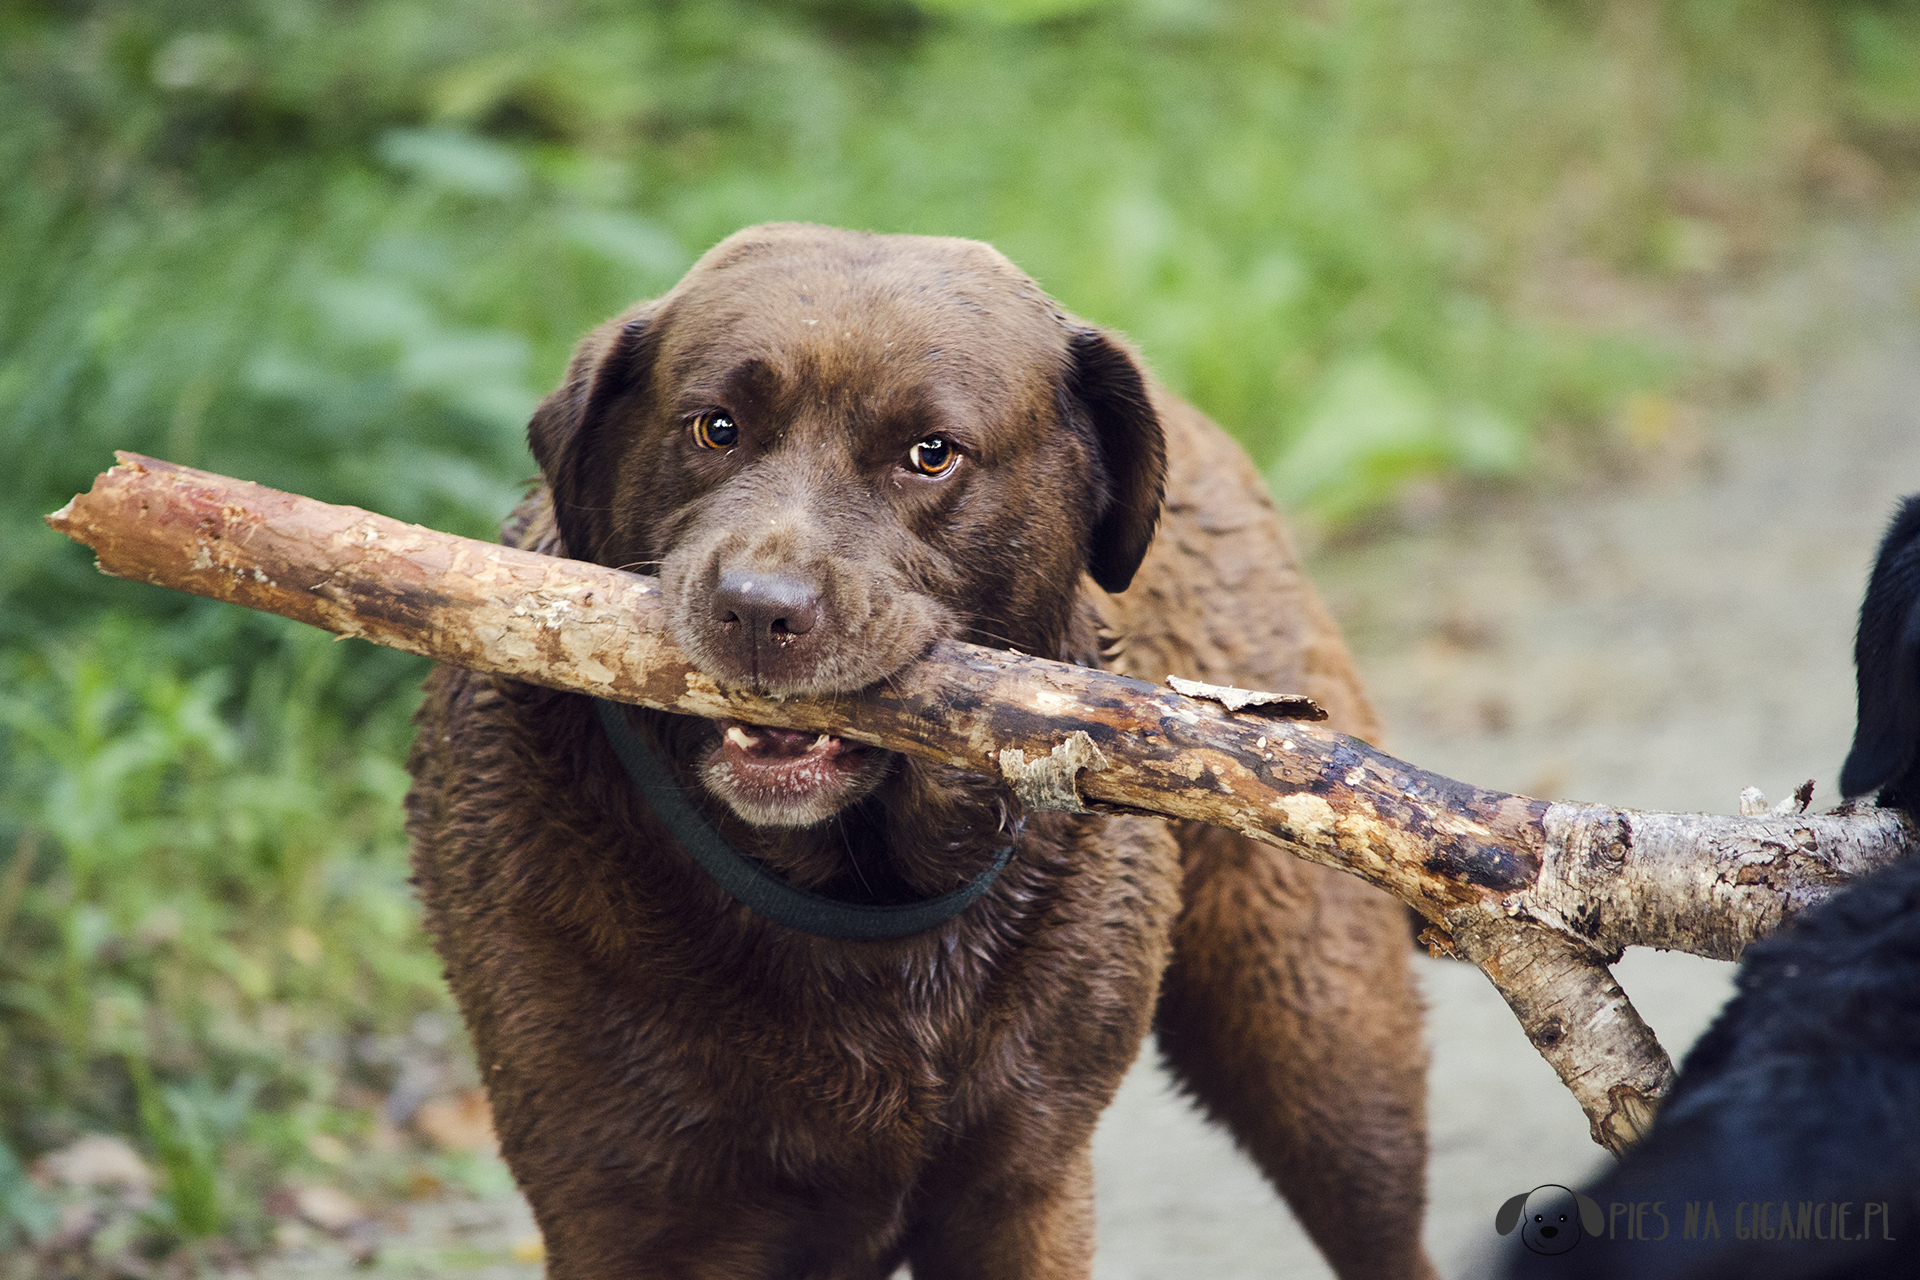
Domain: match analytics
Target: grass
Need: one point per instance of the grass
(220, 910)
(341, 246)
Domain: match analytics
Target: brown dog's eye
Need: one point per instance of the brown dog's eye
(715, 431)
(933, 456)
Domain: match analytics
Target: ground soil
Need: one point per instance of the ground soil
(1656, 619)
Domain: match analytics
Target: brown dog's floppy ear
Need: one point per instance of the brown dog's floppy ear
(1107, 389)
(611, 362)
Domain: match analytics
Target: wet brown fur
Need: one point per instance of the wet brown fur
(685, 1089)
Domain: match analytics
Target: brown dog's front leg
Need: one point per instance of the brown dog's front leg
(625, 1238)
(592, 1237)
(1030, 1229)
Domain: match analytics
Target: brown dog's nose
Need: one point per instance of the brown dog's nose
(756, 607)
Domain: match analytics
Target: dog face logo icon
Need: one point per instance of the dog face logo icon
(1551, 1219)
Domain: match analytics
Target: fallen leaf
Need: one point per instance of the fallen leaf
(460, 1122)
(303, 944)
(423, 1184)
(97, 1161)
(328, 1208)
(327, 1148)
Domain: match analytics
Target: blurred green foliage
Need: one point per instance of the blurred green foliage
(212, 894)
(341, 246)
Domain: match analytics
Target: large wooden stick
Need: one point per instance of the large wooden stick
(1542, 897)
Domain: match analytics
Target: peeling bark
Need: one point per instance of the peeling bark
(1542, 897)
(1048, 782)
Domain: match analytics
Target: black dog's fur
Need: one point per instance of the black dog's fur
(1886, 743)
(1806, 1089)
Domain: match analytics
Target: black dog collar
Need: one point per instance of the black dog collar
(760, 889)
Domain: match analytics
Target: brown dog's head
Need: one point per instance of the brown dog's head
(835, 448)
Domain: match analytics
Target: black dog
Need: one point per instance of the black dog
(1886, 743)
(1789, 1148)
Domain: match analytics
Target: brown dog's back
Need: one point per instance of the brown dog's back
(1288, 1007)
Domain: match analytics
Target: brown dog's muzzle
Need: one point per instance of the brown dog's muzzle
(771, 628)
(783, 584)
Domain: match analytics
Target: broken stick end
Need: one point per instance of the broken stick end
(66, 520)
(1627, 1120)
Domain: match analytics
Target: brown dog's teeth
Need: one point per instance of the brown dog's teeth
(741, 738)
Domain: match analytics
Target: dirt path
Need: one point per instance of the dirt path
(1661, 644)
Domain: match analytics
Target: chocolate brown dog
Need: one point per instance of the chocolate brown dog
(752, 1003)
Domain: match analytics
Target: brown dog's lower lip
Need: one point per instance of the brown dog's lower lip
(784, 777)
